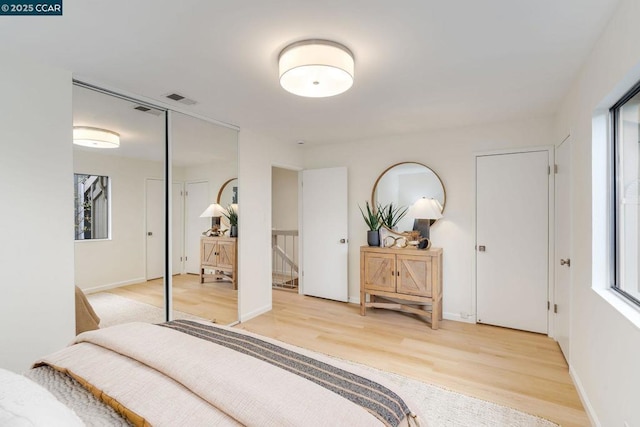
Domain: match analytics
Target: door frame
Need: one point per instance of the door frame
(550, 149)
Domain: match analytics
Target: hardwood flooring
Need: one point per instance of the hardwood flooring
(518, 369)
(216, 301)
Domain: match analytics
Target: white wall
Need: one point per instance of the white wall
(284, 209)
(104, 264)
(36, 219)
(216, 173)
(604, 343)
(256, 156)
(450, 153)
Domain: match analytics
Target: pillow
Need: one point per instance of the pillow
(25, 403)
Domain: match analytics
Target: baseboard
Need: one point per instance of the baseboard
(255, 313)
(458, 317)
(354, 300)
(101, 288)
(591, 413)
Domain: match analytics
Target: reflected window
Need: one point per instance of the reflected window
(92, 198)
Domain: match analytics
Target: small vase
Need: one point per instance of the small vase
(234, 231)
(373, 238)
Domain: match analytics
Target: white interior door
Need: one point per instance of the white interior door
(177, 227)
(197, 200)
(325, 247)
(155, 228)
(512, 229)
(562, 297)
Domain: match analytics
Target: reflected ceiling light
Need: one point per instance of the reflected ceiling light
(316, 68)
(95, 137)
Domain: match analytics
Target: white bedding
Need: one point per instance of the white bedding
(232, 377)
(23, 403)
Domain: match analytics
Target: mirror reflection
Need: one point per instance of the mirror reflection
(123, 276)
(403, 185)
(228, 193)
(204, 160)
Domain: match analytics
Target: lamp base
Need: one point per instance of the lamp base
(423, 226)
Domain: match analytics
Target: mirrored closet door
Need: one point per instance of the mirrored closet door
(204, 167)
(118, 183)
(126, 265)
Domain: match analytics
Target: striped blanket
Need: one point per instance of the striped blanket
(192, 373)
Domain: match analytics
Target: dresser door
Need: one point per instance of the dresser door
(208, 249)
(226, 254)
(415, 275)
(380, 272)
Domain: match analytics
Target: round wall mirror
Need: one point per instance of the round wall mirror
(228, 195)
(403, 184)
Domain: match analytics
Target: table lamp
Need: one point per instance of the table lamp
(425, 211)
(214, 211)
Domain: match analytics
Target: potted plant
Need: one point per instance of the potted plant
(390, 216)
(232, 215)
(373, 221)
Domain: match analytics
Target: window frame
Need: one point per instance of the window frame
(107, 196)
(616, 187)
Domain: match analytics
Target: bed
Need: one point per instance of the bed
(195, 373)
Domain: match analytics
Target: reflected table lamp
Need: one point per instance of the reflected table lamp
(425, 211)
(214, 211)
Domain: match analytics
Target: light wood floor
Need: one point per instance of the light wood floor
(518, 369)
(216, 301)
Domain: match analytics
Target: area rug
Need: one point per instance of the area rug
(114, 310)
(445, 408)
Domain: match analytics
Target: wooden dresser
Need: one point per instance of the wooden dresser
(408, 280)
(219, 254)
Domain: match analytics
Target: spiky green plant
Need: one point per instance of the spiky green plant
(232, 215)
(390, 216)
(371, 218)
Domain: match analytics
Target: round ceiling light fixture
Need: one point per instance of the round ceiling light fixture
(316, 68)
(95, 137)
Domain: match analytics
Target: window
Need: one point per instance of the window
(91, 194)
(626, 148)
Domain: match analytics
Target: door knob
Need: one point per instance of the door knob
(149, 233)
(566, 262)
(482, 248)
(343, 240)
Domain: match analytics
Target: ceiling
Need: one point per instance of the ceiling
(420, 64)
(142, 135)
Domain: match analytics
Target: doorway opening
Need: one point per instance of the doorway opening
(284, 229)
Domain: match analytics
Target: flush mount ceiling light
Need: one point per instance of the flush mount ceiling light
(316, 68)
(95, 137)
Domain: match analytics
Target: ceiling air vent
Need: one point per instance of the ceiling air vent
(148, 110)
(181, 99)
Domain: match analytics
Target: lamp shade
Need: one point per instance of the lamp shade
(213, 210)
(95, 137)
(425, 208)
(316, 68)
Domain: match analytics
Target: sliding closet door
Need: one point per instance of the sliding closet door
(204, 159)
(119, 209)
